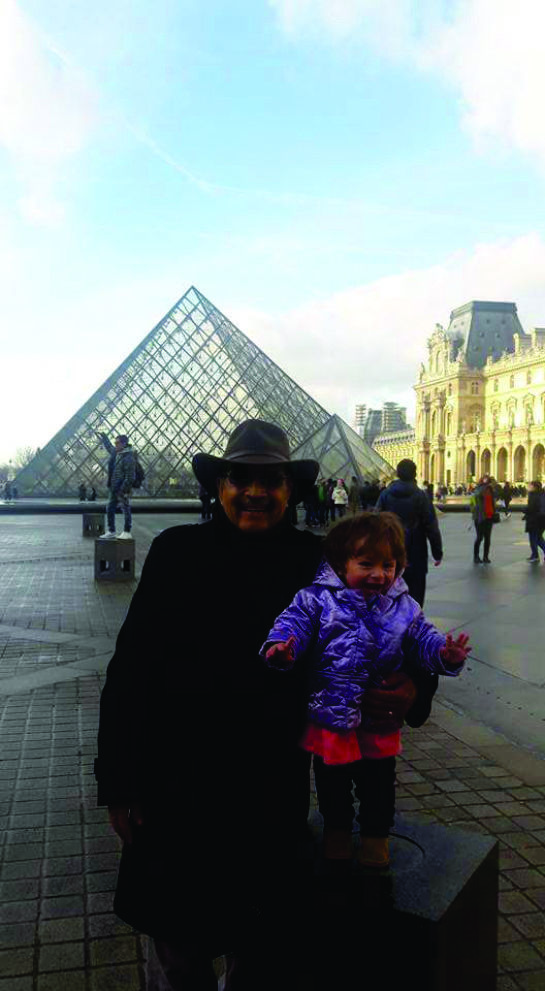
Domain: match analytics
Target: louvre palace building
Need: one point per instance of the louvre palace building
(480, 401)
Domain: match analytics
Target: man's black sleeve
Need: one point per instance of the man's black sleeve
(431, 528)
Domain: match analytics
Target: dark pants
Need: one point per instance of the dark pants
(536, 540)
(279, 961)
(206, 508)
(125, 499)
(374, 782)
(416, 583)
(483, 531)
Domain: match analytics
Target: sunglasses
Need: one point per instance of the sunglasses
(243, 478)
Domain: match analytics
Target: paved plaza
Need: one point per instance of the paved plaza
(479, 763)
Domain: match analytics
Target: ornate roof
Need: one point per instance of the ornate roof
(479, 329)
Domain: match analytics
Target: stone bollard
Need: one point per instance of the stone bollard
(429, 922)
(114, 560)
(93, 524)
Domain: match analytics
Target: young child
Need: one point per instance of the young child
(359, 623)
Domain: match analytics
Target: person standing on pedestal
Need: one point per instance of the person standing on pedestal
(121, 477)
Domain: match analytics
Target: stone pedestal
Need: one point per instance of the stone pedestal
(430, 922)
(114, 560)
(93, 524)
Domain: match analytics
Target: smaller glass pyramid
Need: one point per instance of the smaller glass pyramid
(342, 453)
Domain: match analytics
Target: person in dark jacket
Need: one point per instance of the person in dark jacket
(206, 503)
(198, 756)
(534, 515)
(121, 478)
(417, 515)
(507, 496)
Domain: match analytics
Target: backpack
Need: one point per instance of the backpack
(139, 474)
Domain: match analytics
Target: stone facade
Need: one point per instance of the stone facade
(480, 401)
(395, 445)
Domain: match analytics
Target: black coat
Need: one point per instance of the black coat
(535, 519)
(417, 515)
(198, 729)
(195, 726)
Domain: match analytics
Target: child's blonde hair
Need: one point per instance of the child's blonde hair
(382, 532)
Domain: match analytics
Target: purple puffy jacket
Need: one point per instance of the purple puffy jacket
(355, 642)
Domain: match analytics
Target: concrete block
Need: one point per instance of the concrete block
(429, 922)
(92, 524)
(114, 560)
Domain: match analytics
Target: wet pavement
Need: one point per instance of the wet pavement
(477, 764)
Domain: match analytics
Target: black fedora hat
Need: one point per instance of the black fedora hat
(254, 442)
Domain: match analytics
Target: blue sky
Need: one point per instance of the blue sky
(335, 175)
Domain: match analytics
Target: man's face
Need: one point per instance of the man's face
(119, 444)
(254, 498)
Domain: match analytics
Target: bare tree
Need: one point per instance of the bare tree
(23, 456)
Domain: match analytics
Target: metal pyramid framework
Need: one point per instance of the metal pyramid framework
(182, 390)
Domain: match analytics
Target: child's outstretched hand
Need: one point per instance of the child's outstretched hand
(282, 655)
(454, 653)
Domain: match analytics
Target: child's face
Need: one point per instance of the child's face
(372, 572)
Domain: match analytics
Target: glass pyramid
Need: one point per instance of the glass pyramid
(182, 390)
(342, 453)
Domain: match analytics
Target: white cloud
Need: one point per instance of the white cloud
(46, 111)
(492, 52)
(365, 344)
(489, 51)
(361, 345)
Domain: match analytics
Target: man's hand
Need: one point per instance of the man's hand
(282, 655)
(437, 563)
(123, 818)
(386, 706)
(454, 653)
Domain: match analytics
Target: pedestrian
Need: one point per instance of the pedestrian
(7, 492)
(534, 515)
(417, 514)
(121, 478)
(331, 484)
(483, 511)
(354, 496)
(198, 749)
(507, 495)
(340, 497)
(359, 622)
(206, 503)
(323, 502)
(311, 506)
(82, 492)
(92, 494)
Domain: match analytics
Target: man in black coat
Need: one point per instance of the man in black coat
(198, 757)
(417, 514)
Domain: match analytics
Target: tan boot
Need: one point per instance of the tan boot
(337, 844)
(373, 851)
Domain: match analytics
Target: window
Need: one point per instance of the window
(496, 385)
(450, 388)
(528, 377)
(474, 388)
(511, 381)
